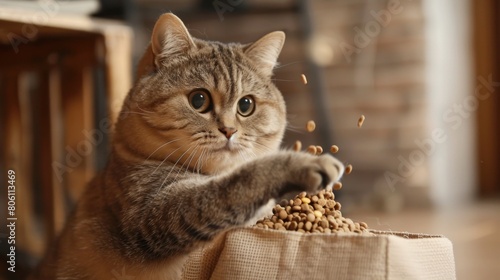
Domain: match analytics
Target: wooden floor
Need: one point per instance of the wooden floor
(474, 230)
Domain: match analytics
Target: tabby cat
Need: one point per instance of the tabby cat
(195, 152)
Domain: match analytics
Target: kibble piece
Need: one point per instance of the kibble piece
(308, 226)
(311, 126)
(297, 146)
(304, 79)
(312, 150)
(311, 217)
(324, 223)
(318, 213)
(361, 120)
(321, 194)
(337, 213)
(329, 195)
(283, 214)
(334, 149)
(330, 204)
(306, 200)
(297, 201)
(319, 150)
(322, 202)
(338, 206)
(304, 208)
(337, 186)
(348, 169)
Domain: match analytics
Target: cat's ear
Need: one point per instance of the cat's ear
(264, 53)
(170, 37)
(170, 40)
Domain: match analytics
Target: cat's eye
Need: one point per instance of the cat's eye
(246, 106)
(200, 100)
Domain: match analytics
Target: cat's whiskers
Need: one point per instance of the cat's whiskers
(145, 111)
(201, 159)
(294, 129)
(137, 113)
(260, 146)
(173, 167)
(197, 167)
(163, 145)
(193, 153)
(240, 153)
(163, 161)
(279, 66)
(283, 80)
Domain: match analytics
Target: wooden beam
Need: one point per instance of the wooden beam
(485, 50)
(80, 137)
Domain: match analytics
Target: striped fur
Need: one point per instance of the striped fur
(173, 181)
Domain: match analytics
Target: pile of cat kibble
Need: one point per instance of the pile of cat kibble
(318, 213)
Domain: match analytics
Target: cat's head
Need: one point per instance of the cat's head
(202, 104)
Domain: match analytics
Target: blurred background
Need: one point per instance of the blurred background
(424, 74)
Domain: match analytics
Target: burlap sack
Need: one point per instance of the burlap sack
(252, 253)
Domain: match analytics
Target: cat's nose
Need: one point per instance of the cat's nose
(228, 131)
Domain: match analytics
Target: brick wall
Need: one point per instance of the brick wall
(376, 68)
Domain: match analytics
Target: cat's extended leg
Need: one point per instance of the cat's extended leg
(188, 211)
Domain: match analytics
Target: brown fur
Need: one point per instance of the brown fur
(173, 180)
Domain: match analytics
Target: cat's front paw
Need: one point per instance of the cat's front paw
(314, 173)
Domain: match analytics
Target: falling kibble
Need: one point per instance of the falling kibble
(337, 186)
(319, 150)
(311, 126)
(297, 146)
(361, 120)
(334, 149)
(312, 150)
(348, 169)
(304, 79)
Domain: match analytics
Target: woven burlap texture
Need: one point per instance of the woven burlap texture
(252, 253)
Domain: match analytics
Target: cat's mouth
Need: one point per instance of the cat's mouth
(230, 146)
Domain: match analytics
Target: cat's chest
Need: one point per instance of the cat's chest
(166, 270)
